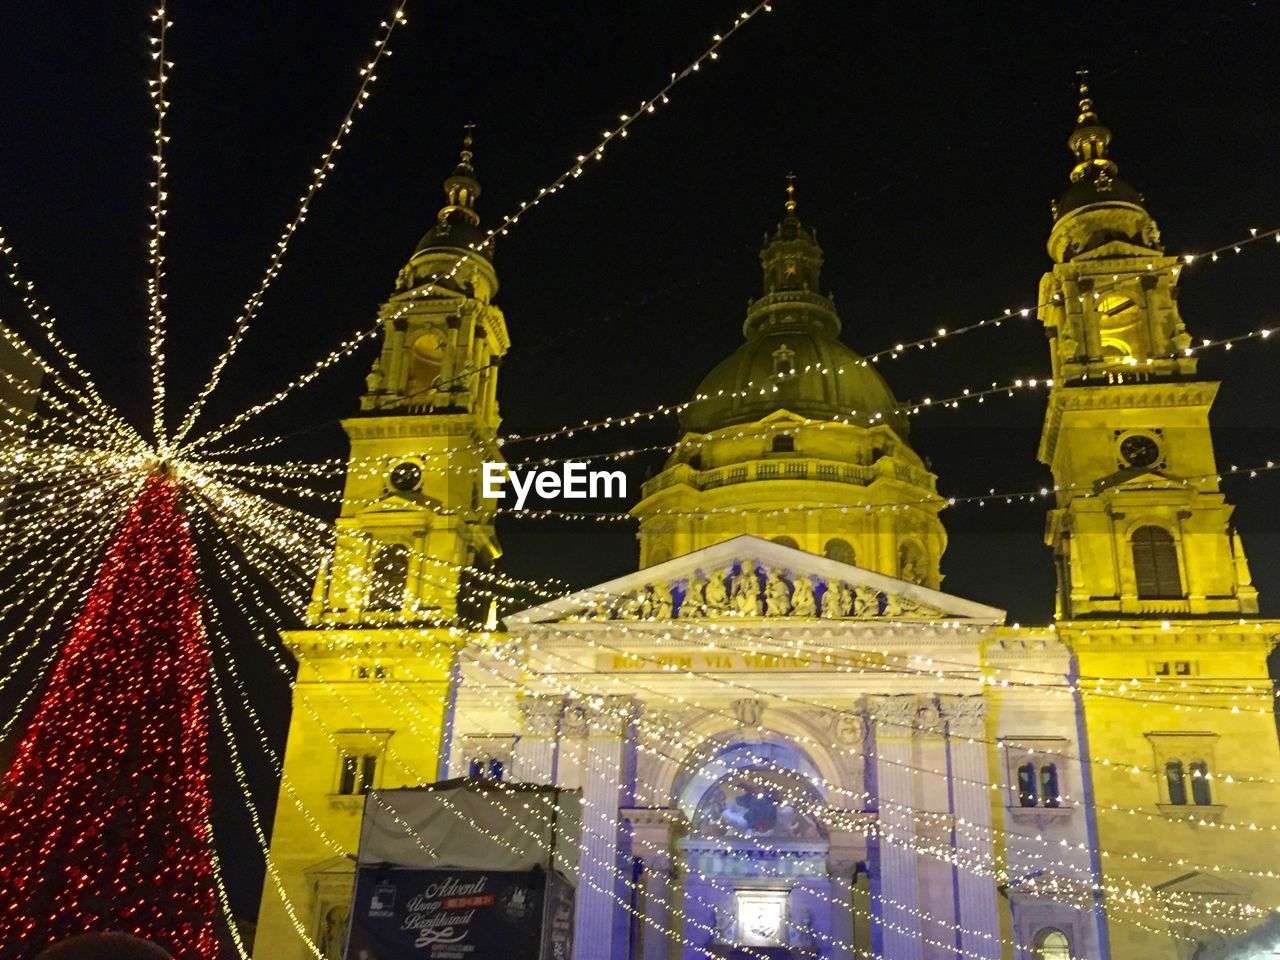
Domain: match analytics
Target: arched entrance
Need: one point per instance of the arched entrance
(755, 849)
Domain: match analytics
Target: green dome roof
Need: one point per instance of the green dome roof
(830, 382)
(793, 358)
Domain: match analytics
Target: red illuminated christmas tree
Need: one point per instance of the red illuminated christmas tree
(104, 811)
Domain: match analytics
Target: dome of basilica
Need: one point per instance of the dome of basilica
(793, 358)
(795, 368)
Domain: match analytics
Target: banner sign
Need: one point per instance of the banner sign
(409, 914)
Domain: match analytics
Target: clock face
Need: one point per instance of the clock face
(1139, 450)
(405, 476)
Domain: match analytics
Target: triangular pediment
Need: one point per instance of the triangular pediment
(1117, 248)
(340, 866)
(400, 503)
(717, 582)
(1202, 885)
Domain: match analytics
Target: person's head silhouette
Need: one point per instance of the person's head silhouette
(104, 946)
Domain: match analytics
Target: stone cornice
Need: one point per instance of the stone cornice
(1153, 393)
(1171, 634)
(393, 426)
(665, 637)
(392, 641)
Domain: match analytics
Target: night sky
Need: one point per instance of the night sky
(927, 141)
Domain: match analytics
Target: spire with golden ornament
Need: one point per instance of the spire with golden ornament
(462, 189)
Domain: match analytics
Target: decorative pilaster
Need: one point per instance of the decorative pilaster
(899, 919)
(843, 945)
(651, 835)
(607, 721)
(535, 751)
(979, 914)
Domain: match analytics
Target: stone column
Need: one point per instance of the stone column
(535, 751)
(843, 945)
(396, 374)
(971, 806)
(651, 832)
(847, 851)
(607, 721)
(898, 917)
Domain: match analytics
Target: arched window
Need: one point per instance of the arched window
(1052, 944)
(1049, 785)
(425, 362)
(1177, 781)
(787, 542)
(1114, 350)
(1027, 790)
(1200, 792)
(841, 551)
(1155, 563)
(390, 572)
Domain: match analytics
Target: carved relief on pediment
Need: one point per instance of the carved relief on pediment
(750, 588)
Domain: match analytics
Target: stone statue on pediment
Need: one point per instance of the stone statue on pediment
(717, 593)
(631, 606)
(866, 601)
(777, 595)
(835, 600)
(803, 602)
(659, 601)
(746, 591)
(694, 602)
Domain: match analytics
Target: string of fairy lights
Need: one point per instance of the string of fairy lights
(774, 383)
(80, 466)
(453, 809)
(157, 88)
(317, 718)
(1172, 266)
(319, 176)
(507, 222)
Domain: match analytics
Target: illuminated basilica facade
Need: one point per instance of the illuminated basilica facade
(790, 741)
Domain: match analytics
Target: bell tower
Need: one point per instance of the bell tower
(1140, 526)
(412, 516)
(376, 669)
